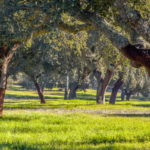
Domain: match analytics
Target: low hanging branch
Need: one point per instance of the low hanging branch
(138, 55)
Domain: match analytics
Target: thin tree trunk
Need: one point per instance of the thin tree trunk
(66, 88)
(98, 90)
(122, 95)
(40, 93)
(101, 94)
(66, 94)
(115, 90)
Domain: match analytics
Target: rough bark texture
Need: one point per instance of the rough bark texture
(115, 89)
(40, 92)
(101, 94)
(6, 55)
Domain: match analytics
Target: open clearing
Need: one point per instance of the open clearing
(72, 124)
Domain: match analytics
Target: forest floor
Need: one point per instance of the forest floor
(77, 124)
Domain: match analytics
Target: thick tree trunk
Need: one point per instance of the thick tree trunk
(6, 55)
(73, 90)
(40, 93)
(115, 90)
(101, 94)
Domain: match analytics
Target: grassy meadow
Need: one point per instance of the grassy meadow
(77, 124)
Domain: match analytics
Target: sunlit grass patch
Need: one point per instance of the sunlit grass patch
(72, 124)
(43, 130)
(28, 99)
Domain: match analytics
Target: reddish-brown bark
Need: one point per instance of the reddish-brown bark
(101, 94)
(40, 92)
(6, 55)
(2, 95)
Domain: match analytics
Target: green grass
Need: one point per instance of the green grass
(63, 124)
(19, 98)
(48, 131)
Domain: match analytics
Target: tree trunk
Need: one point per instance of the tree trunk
(98, 90)
(115, 90)
(128, 96)
(66, 88)
(101, 94)
(73, 89)
(40, 93)
(6, 55)
(97, 75)
(122, 95)
(2, 95)
(66, 94)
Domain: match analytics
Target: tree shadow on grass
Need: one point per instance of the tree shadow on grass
(13, 96)
(58, 144)
(86, 96)
(43, 106)
(142, 105)
(91, 97)
(15, 118)
(19, 146)
(130, 115)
